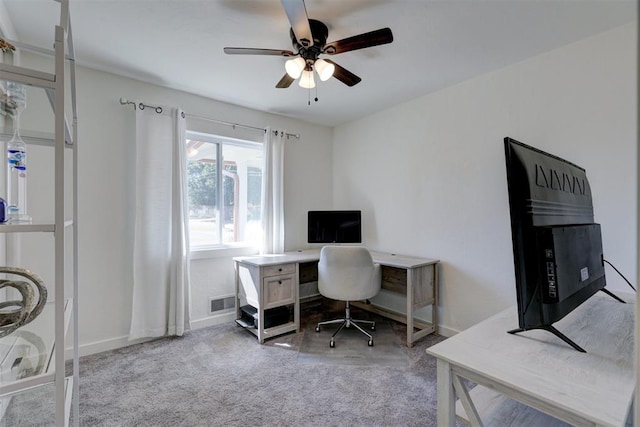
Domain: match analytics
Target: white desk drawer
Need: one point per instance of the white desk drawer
(279, 290)
(277, 270)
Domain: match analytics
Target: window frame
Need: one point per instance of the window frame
(214, 249)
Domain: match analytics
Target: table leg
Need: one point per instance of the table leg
(467, 404)
(446, 395)
(434, 306)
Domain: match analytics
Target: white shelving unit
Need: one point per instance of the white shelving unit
(49, 329)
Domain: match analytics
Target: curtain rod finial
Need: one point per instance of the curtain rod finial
(124, 101)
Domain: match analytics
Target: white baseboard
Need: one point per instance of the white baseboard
(104, 345)
(214, 320)
(123, 341)
(446, 332)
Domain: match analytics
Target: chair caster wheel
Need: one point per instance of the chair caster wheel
(317, 328)
(332, 344)
(370, 343)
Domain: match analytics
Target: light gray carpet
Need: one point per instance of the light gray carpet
(221, 376)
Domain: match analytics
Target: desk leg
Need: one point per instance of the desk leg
(261, 323)
(296, 305)
(410, 274)
(237, 286)
(446, 395)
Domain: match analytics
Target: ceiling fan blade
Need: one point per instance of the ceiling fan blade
(285, 81)
(255, 51)
(361, 41)
(297, 14)
(344, 75)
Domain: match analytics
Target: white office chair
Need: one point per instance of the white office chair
(347, 273)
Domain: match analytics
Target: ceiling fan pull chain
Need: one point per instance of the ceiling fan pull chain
(316, 98)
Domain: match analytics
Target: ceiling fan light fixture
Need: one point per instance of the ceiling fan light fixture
(294, 67)
(324, 69)
(306, 80)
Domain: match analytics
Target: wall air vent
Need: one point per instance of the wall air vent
(224, 303)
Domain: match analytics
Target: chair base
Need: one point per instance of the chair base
(348, 321)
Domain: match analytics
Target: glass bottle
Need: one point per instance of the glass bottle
(17, 160)
(3, 210)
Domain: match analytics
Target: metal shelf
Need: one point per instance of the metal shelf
(28, 347)
(30, 137)
(27, 228)
(27, 76)
(16, 407)
(32, 228)
(55, 318)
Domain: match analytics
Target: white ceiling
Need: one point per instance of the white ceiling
(437, 43)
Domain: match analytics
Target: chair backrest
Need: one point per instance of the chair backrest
(347, 273)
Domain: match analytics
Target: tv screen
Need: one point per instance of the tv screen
(334, 227)
(557, 247)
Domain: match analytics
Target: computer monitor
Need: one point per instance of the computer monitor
(334, 226)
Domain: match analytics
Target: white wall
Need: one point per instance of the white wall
(430, 177)
(106, 157)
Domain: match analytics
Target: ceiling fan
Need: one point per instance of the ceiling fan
(309, 39)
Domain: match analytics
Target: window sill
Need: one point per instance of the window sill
(222, 252)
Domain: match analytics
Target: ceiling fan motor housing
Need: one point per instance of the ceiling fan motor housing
(319, 31)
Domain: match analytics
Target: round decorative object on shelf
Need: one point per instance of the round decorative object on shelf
(31, 345)
(17, 313)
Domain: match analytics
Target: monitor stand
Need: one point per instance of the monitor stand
(559, 334)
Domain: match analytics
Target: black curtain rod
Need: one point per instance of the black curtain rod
(142, 106)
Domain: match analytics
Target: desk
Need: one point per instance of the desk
(271, 281)
(540, 371)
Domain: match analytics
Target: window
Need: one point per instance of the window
(224, 190)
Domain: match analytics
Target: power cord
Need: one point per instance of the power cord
(621, 275)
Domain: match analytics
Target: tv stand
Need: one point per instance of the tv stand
(559, 334)
(555, 332)
(612, 295)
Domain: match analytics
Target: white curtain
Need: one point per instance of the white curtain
(161, 291)
(273, 192)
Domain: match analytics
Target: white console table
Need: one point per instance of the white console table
(271, 281)
(535, 369)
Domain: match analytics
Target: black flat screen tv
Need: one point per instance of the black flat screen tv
(557, 247)
(334, 227)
